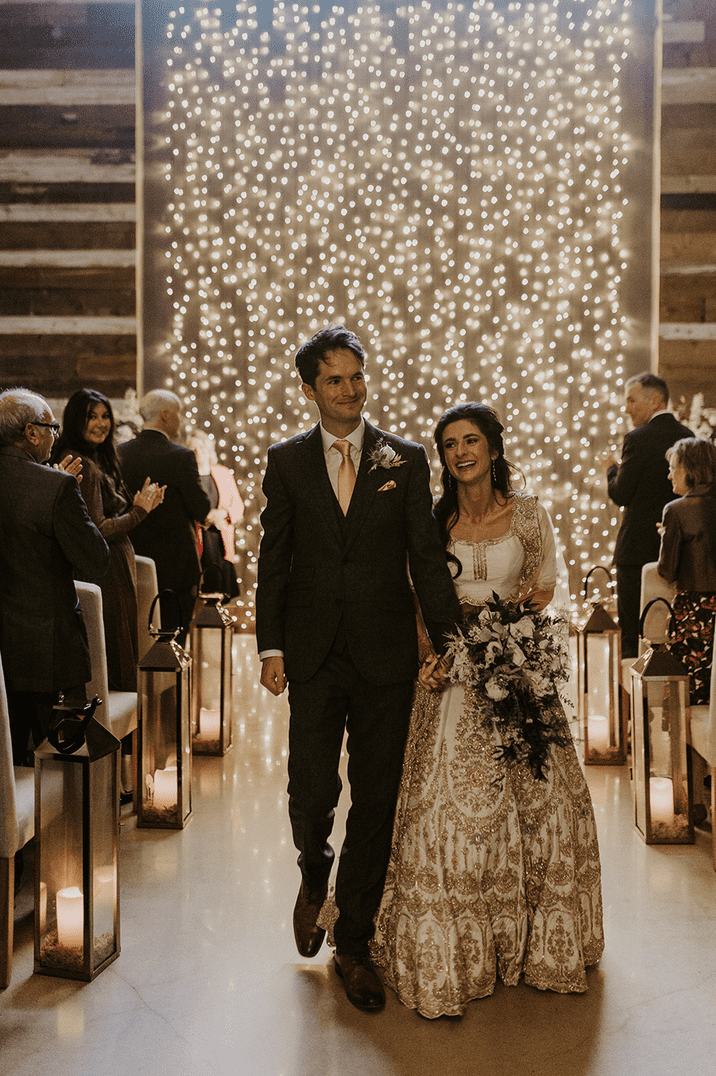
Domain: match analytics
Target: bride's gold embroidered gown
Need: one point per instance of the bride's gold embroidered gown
(492, 871)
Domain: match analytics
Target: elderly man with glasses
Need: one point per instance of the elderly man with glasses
(45, 536)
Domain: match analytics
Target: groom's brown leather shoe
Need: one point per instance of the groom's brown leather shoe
(363, 987)
(309, 937)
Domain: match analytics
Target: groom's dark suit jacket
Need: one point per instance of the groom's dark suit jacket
(318, 568)
(641, 484)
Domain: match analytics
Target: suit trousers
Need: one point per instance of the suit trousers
(628, 607)
(376, 717)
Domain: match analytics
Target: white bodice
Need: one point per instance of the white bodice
(487, 566)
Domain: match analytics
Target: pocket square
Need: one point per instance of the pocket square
(388, 485)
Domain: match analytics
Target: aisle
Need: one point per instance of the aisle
(209, 982)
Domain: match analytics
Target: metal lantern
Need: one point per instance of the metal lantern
(601, 713)
(211, 639)
(76, 830)
(164, 740)
(660, 718)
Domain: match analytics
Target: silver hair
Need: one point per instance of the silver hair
(156, 401)
(17, 408)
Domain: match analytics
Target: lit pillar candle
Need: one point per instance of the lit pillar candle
(70, 917)
(209, 724)
(166, 788)
(598, 733)
(661, 798)
(104, 890)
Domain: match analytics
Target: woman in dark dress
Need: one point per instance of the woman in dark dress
(687, 557)
(88, 433)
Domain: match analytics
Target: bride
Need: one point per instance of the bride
(495, 862)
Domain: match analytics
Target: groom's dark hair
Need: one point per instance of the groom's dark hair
(314, 351)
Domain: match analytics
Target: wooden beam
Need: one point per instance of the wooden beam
(67, 88)
(82, 3)
(52, 279)
(688, 86)
(688, 184)
(687, 330)
(67, 235)
(681, 31)
(68, 259)
(64, 166)
(63, 326)
(120, 211)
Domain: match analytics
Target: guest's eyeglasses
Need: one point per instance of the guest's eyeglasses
(54, 426)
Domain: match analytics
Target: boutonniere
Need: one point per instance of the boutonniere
(384, 456)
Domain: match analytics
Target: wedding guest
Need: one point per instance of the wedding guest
(46, 535)
(88, 433)
(216, 539)
(494, 868)
(639, 483)
(687, 557)
(168, 535)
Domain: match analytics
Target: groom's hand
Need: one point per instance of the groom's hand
(273, 677)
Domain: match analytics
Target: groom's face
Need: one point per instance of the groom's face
(340, 391)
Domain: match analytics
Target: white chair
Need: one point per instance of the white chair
(147, 590)
(118, 711)
(702, 733)
(17, 827)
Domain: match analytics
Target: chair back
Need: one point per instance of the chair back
(147, 590)
(653, 586)
(90, 597)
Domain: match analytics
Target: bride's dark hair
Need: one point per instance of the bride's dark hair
(486, 419)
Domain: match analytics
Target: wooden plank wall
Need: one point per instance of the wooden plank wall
(67, 197)
(67, 209)
(687, 347)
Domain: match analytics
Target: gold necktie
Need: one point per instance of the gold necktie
(346, 475)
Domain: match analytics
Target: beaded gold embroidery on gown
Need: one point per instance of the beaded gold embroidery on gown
(492, 871)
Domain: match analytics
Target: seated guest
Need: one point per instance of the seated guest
(216, 538)
(46, 537)
(687, 557)
(88, 433)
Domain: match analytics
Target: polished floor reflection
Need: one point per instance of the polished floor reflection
(209, 982)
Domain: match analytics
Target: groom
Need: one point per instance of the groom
(348, 513)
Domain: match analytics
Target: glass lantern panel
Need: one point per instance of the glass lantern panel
(667, 702)
(208, 655)
(103, 797)
(61, 883)
(639, 767)
(159, 762)
(601, 703)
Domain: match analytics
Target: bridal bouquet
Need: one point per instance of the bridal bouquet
(513, 655)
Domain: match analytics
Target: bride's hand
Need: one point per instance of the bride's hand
(433, 674)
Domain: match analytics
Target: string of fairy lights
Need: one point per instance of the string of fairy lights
(445, 179)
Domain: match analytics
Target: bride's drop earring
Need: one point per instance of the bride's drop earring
(494, 474)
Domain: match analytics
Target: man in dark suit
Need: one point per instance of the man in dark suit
(348, 512)
(640, 483)
(168, 534)
(45, 536)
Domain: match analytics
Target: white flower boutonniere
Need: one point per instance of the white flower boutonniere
(383, 455)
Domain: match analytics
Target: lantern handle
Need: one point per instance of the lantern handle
(647, 607)
(76, 740)
(158, 631)
(597, 567)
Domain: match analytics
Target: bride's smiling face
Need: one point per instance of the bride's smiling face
(467, 453)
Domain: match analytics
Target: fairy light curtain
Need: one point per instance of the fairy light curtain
(446, 179)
